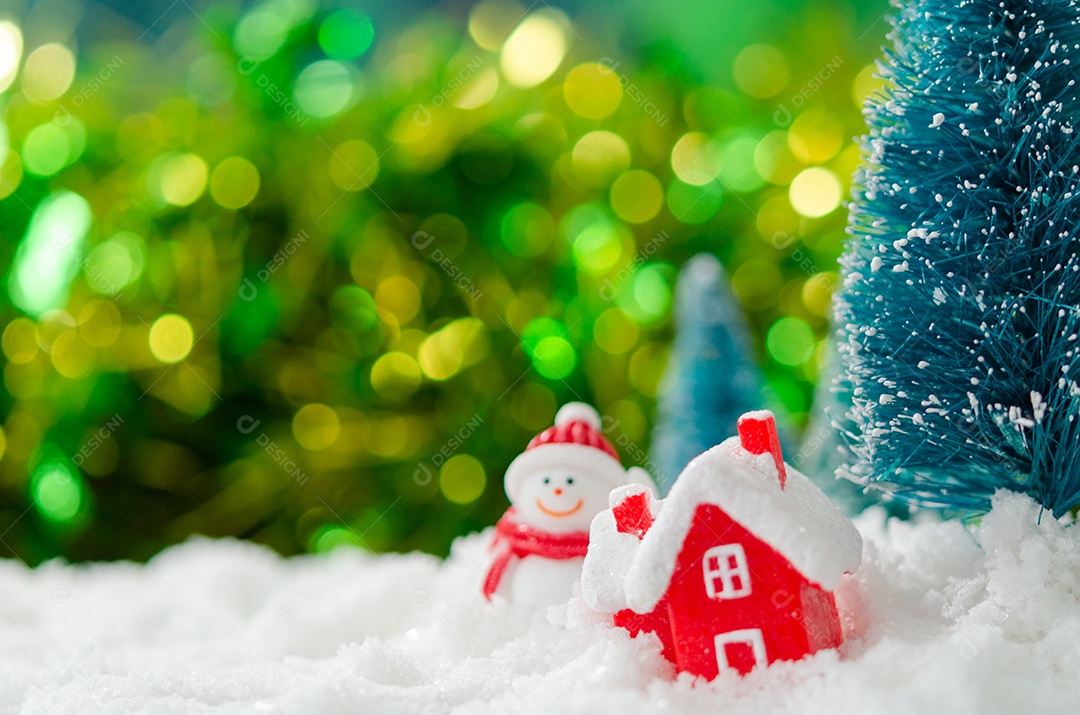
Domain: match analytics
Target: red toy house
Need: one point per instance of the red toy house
(735, 568)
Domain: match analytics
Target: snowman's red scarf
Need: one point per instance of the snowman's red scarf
(514, 540)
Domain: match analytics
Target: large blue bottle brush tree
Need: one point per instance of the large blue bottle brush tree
(960, 308)
(712, 376)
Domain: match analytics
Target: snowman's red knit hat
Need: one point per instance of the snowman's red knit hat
(574, 444)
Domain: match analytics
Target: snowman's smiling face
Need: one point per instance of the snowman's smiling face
(559, 500)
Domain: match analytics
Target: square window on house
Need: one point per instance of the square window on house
(741, 650)
(726, 573)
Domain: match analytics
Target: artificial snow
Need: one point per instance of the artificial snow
(937, 624)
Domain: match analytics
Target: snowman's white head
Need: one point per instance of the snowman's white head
(561, 498)
(563, 478)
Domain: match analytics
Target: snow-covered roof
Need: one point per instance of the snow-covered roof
(799, 521)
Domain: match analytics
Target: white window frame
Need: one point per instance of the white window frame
(726, 573)
(747, 636)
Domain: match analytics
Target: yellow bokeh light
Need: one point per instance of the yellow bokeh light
(20, 340)
(453, 348)
(48, 72)
(847, 161)
(817, 293)
(70, 356)
(171, 338)
(395, 375)
(178, 179)
(462, 479)
(100, 323)
(24, 381)
(866, 83)
(3, 443)
(773, 159)
(316, 426)
(757, 284)
(11, 172)
(815, 192)
(815, 138)
(11, 47)
(534, 50)
(479, 90)
(389, 435)
(234, 183)
(760, 71)
(400, 296)
(439, 359)
(695, 159)
(354, 165)
(777, 222)
(491, 21)
(636, 196)
(599, 157)
(592, 91)
(646, 367)
(615, 332)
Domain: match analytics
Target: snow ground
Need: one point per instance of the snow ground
(227, 627)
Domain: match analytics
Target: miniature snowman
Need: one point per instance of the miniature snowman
(556, 487)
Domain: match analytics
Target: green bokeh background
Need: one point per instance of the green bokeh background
(312, 274)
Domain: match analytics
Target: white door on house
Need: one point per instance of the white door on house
(728, 645)
(726, 573)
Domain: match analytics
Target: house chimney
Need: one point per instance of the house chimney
(757, 433)
(632, 513)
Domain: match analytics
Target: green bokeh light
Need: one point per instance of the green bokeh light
(595, 237)
(346, 34)
(791, 394)
(527, 230)
(57, 489)
(46, 150)
(552, 354)
(115, 263)
(50, 254)
(356, 320)
(790, 341)
(646, 296)
(260, 33)
(739, 171)
(554, 358)
(324, 88)
(694, 204)
(329, 537)
(597, 249)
